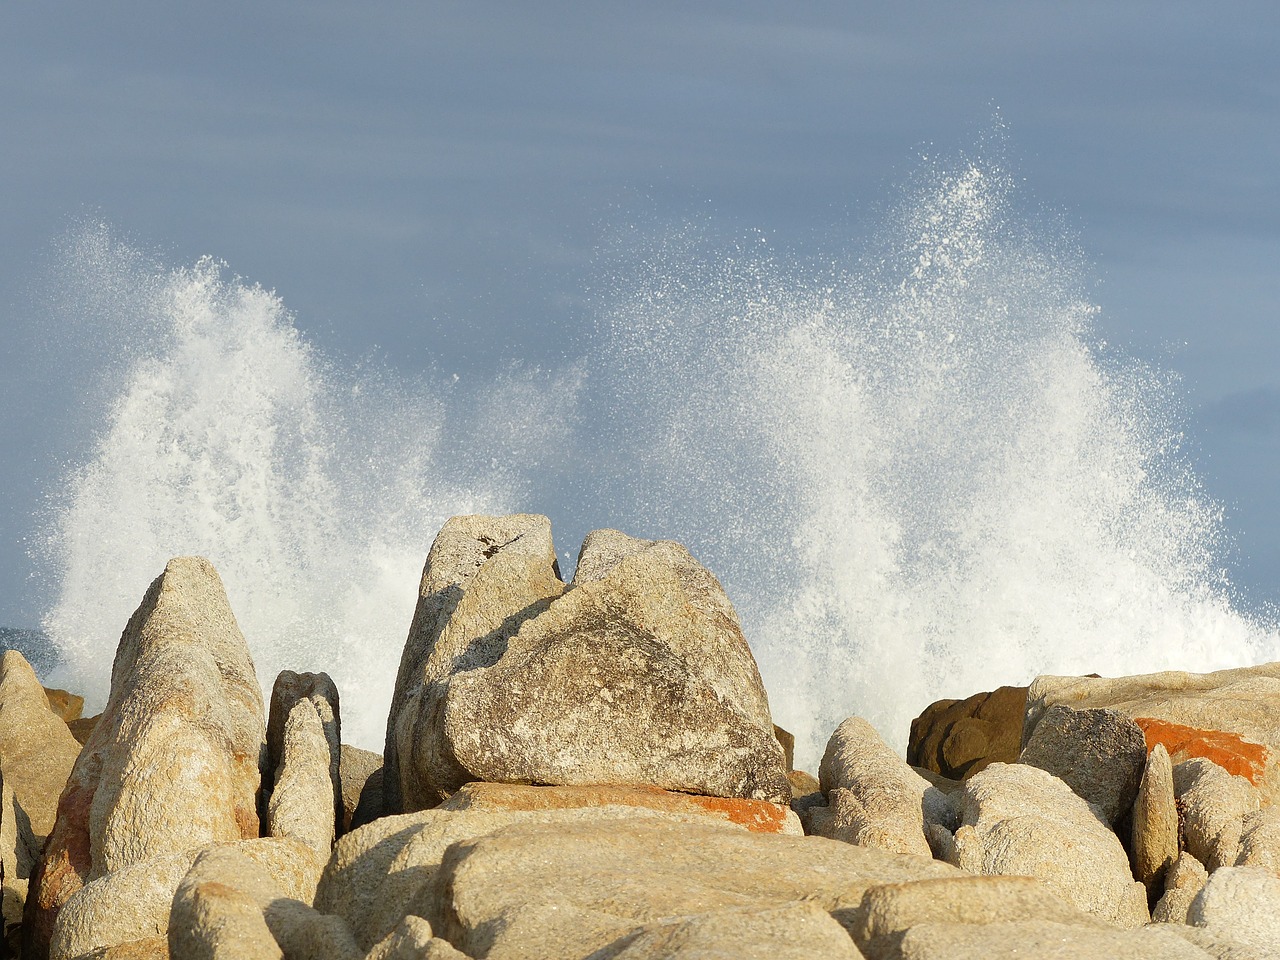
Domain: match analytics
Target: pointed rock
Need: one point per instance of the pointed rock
(1155, 821)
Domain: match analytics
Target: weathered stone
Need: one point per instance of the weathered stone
(788, 742)
(636, 673)
(1020, 820)
(1097, 753)
(319, 691)
(355, 771)
(874, 798)
(383, 871)
(1241, 904)
(173, 763)
(958, 738)
(1182, 882)
(1214, 804)
(412, 940)
(229, 906)
(1155, 821)
(152, 948)
(303, 800)
(1231, 717)
(790, 931)
(1042, 941)
(1260, 840)
(37, 751)
(888, 911)
(68, 706)
(639, 872)
(82, 729)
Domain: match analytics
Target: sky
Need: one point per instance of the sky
(433, 182)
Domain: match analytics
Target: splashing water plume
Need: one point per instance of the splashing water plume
(918, 477)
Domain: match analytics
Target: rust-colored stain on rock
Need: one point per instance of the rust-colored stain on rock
(1233, 753)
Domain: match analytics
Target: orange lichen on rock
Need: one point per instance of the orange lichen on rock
(1230, 751)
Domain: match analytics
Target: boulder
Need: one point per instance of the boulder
(561, 890)
(957, 738)
(874, 798)
(68, 706)
(304, 803)
(82, 729)
(356, 769)
(1017, 819)
(384, 871)
(412, 940)
(1099, 754)
(1241, 904)
(1182, 882)
(1044, 941)
(1231, 717)
(319, 691)
(637, 672)
(1260, 840)
(1155, 821)
(228, 905)
(37, 751)
(1213, 804)
(173, 763)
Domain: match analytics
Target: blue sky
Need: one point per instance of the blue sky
(434, 181)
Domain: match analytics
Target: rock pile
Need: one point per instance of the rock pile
(590, 769)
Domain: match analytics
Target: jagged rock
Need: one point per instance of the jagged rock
(1155, 821)
(888, 911)
(303, 803)
(65, 704)
(874, 798)
(635, 673)
(1020, 820)
(958, 738)
(356, 769)
(1183, 881)
(1214, 804)
(1043, 941)
(173, 763)
(412, 940)
(1241, 904)
(383, 871)
(319, 691)
(227, 905)
(1260, 840)
(528, 889)
(133, 903)
(37, 751)
(1097, 753)
(1231, 717)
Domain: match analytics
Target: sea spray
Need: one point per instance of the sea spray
(921, 476)
(315, 491)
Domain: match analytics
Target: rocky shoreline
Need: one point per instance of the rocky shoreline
(590, 770)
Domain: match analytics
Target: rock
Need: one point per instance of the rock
(1042, 941)
(65, 704)
(1017, 819)
(529, 889)
(1155, 821)
(173, 763)
(356, 768)
(412, 940)
(636, 673)
(791, 931)
(1214, 804)
(1260, 840)
(229, 906)
(37, 751)
(1183, 881)
(303, 803)
(319, 690)
(82, 730)
(1241, 904)
(788, 742)
(1231, 717)
(1098, 753)
(133, 903)
(383, 871)
(957, 738)
(152, 948)
(888, 911)
(874, 798)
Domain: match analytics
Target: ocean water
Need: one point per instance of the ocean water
(917, 470)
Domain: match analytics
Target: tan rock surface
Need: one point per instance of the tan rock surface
(1183, 881)
(1241, 904)
(1155, 821)
(958, 738)
(1020, 820)
(304, 804)
(412, 940)
(637, 673)
(641, 872)
(173, 762)
(1214, 804)
(37, 751)
(356, 768)
(1043, 941)
(67, 705)
(319, 690)
(1260, 840)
